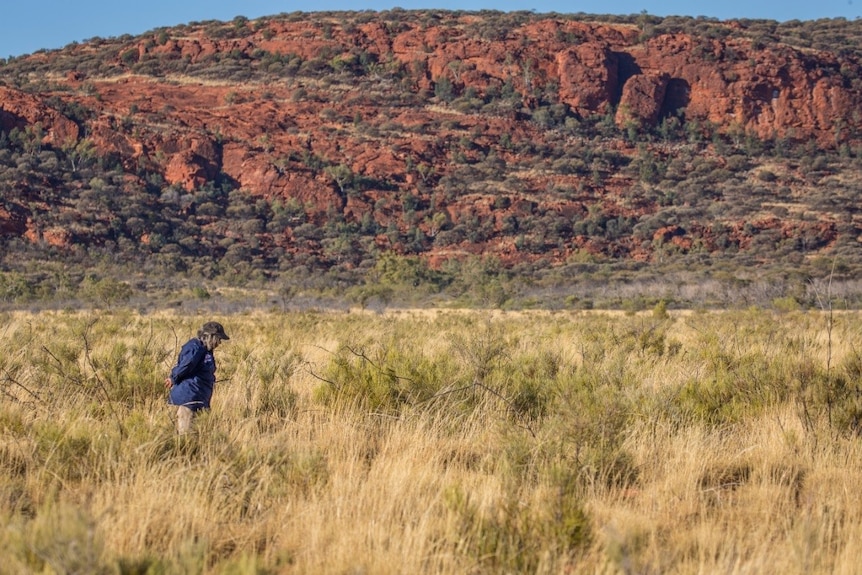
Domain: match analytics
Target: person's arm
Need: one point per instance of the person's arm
(190, 358)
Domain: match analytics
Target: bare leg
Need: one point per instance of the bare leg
(184, 419)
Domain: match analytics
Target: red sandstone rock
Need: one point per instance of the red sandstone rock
(187, 169)
(57, 237)
(588, 78)
(13, 220)
(642, 99)
(20, 110)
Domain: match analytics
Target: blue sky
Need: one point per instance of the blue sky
(30, 25)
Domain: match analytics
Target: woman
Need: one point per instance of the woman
(192, 380)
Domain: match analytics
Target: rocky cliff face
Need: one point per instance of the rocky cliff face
(282, 106)
(19, 110)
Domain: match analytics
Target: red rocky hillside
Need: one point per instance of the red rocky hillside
(325, 140)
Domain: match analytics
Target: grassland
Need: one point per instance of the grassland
(435, 442)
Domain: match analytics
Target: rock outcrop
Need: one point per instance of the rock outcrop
(589, 78)
(772, 91)
(20, 110)
(643, 99)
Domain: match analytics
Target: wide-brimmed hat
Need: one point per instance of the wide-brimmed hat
(214, 328)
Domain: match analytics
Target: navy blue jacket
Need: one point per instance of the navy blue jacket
(193, 377)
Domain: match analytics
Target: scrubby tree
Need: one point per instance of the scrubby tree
(342, 175)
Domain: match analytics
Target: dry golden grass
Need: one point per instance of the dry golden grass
(500, 443)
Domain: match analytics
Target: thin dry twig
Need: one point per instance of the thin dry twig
(8, 377)
(101, 384)
(389, 370)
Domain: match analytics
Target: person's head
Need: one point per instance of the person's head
(211, 334)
